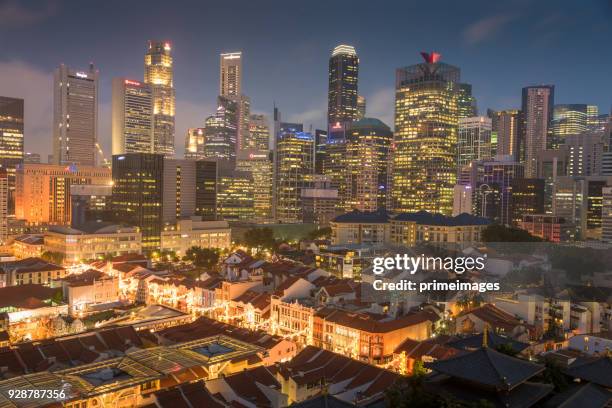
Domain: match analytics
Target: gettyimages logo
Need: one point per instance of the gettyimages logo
(458, 265)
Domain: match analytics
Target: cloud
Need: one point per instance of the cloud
(14, 14)
(315, 117)
(21, 80)
(381, 105)
(486, 28)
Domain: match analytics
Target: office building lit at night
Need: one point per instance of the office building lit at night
(132, 122)
(424, 162)
(343, 87)
(75, 116)
(159, 74)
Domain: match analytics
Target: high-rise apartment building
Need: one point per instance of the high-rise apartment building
(526, 198)
(294, 167)
(159, 74)
(132, 121)
(259, 133)
(474, 142)
(505, 127)
(537, 112)
(75, 116)
(343, 85)
(138, 194)
(424, 153)
(320, 149)
(585, 153)
(42, 191)
(11, 142)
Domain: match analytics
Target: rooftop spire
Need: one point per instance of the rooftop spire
(431, 57)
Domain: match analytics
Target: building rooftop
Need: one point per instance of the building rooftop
(372, 323)
(596, 370)
(28, 296)
(488, 368)
(93, 228)
(28, 265)
(381, 216)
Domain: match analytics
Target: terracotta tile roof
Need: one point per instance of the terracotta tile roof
(371, 323)
(29, 296)
(245, 384)
(494, 316)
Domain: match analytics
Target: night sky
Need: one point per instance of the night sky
(500, 47)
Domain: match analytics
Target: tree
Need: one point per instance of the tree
(57, 298)
(507, 349)
(56, 258)
(260, 238)
(202, 257)
(324, 232)
(501, 233)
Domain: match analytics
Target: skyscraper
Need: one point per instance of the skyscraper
(424, 162)
(195, 143)
(132, 119)
(368, 146)
(343, 86)
(294, 167)
(220, 133)
(258, 164)
(466, 102)
(569, 120)
(11, 142)
(159, 74)
(361, 107)
(506, 127)
(230, 86)
(474, 141)
(259, 133)
(138, 194)
(230, 78)
(75, 116)
(537, 111)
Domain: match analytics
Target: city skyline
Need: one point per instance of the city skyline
(27, 72)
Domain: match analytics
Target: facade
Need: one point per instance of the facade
(206, 189)
(230, 76)
(90, 203)
(138, 194)
(221, 133)
(320, 150)
(548, 227)
(186, 233)
(424, 162)
(236, 196)
(194, 144)
(585, 153)
(505, 128)
(367, 160)
(132, 120)
(466, 102)
(571, 119)
(407, 229)
(93, 241)
(526, 197)
(31, 271)
(320, 202)
(579, 201)
(343, 85)
(361, 107)
(462, 199)
(259, 165)
(606, 217)
(11, 142)
(75, 116)
(491, 182)
(4, 200)
(294, 166)
(178, 189)
(42, 191)
(474, 141)
(537, 111)
(259, 133)
(158, 73)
